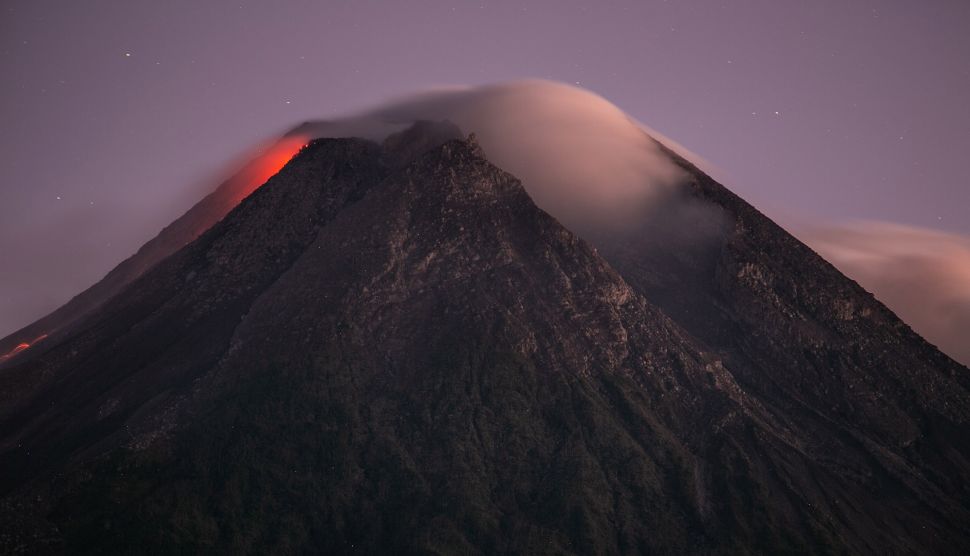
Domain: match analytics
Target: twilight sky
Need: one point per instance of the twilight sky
(116, 116)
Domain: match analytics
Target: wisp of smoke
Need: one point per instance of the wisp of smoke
(580, 158)
(922, 275)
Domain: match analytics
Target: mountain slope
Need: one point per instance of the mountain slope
(202, 216)
(391, 349)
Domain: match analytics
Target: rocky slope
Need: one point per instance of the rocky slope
(212, 208)
(390, 349)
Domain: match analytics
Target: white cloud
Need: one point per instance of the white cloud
(581, 158)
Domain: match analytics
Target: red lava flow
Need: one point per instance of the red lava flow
(267, 165)
(21, 347)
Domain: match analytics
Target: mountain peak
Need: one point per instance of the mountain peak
(391, 347)
(420, 137)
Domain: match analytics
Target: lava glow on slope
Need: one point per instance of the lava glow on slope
(21, 347)
(265, 165)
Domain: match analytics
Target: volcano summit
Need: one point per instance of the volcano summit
(394, 345)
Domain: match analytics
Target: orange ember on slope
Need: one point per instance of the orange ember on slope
(266, 165)
(21, 347)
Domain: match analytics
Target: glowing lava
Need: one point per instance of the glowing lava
(265, 165)
(21, 347)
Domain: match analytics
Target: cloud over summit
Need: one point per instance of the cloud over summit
(580, 157)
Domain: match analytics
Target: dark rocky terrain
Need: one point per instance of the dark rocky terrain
(391, 349)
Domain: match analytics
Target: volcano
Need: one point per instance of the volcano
(397, 346)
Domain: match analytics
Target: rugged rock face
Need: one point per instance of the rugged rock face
(390, 349)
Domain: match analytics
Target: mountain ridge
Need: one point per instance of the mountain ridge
(417, 358)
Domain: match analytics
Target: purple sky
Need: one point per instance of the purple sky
(116, 116)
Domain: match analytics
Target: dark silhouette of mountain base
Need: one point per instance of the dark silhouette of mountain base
(391, 349)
